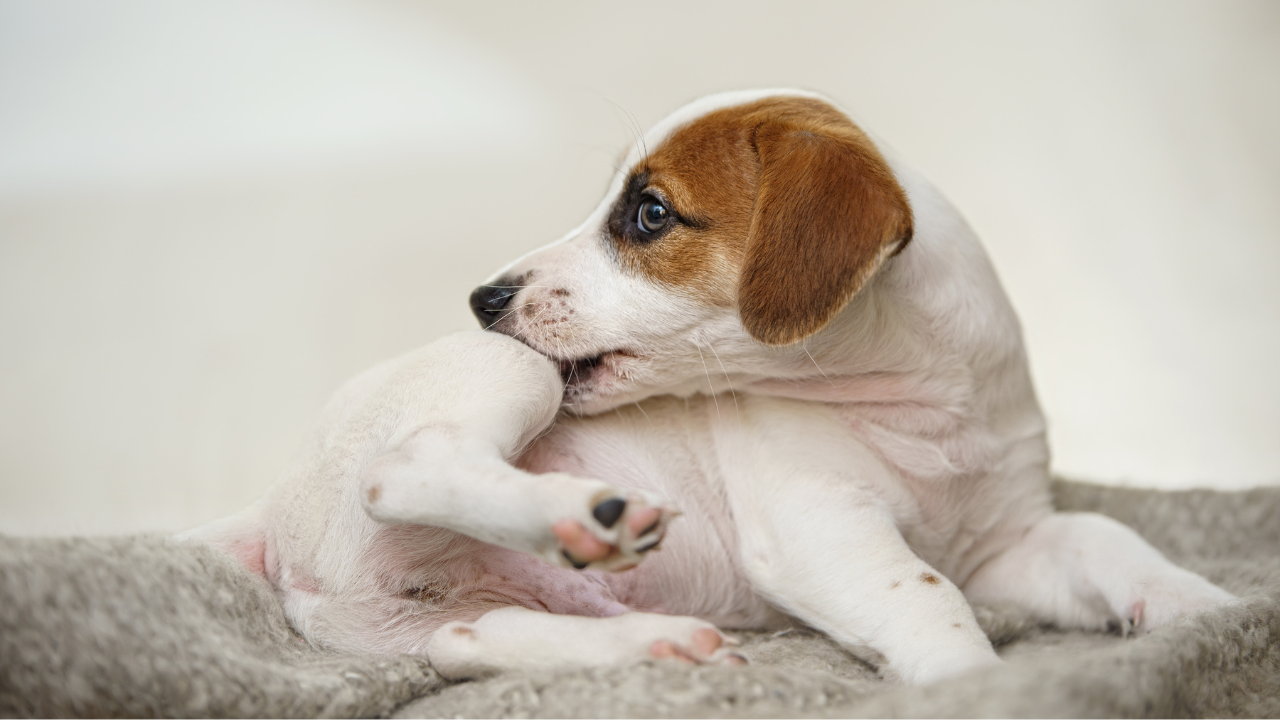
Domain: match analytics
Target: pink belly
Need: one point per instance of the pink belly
(663, 448)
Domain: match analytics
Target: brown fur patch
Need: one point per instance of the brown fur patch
(929, 579)
(432, 593)
(790, 209)
(707, 172)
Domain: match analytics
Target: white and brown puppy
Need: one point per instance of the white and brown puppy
(802, 346)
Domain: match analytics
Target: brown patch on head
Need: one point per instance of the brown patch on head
(374, 493)
(782, 207)
(929, 579)
(705, 174)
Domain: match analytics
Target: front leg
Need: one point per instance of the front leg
(818, 540)
(841, 566)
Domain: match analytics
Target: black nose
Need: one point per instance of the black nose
(489, 301)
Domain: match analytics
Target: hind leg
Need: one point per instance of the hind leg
(441, 477)
(1083, 570)
(516, 639)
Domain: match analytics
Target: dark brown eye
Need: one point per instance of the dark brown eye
(653, 216)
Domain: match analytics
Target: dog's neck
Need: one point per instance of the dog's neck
(932, 330)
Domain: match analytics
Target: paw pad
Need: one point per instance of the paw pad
(608, 512)
(632, 527)
(705, 647)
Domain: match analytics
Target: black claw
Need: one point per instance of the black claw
(651, 528)
(577, 564)
(608, 512)
(647, 547)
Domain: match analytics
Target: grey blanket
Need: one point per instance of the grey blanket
(146, 626)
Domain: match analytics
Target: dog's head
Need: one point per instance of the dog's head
(742, 225)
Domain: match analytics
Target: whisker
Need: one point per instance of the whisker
(634, 126)
(642, 412)
(508, 312)
(644, 147)
(732, 392)
(528, 322)
(815, 364)
(709, 383)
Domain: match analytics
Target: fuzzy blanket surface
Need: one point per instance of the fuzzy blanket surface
(150, 627)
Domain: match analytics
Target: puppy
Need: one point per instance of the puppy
(766, 324)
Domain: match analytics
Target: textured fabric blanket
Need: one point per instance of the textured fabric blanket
(146, 626)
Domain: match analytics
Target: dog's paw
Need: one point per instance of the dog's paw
(705, 646)
(1162, 599)
(632, 526)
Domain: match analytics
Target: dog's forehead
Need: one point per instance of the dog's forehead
(703, 154)
(700, 108)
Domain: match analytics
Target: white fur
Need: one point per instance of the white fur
(545, 641)
(864, 481)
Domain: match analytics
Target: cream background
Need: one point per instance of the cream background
(211, 214)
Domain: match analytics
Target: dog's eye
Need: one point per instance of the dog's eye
(653, 216)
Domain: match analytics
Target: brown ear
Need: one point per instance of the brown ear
(828, 212)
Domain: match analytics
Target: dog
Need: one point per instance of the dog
(771, 378)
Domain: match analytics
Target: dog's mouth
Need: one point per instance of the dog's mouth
(584, 374)
(575, 372)
(578, 372)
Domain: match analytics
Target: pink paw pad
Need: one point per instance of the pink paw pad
(640, 528)
(705, 647)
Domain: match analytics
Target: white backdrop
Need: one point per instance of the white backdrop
(211, 214)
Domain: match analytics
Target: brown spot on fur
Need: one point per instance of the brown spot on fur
(790, 210)
(929, 579)
(374, 493)
(432, 593)
(957, 625)
(894, 585)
